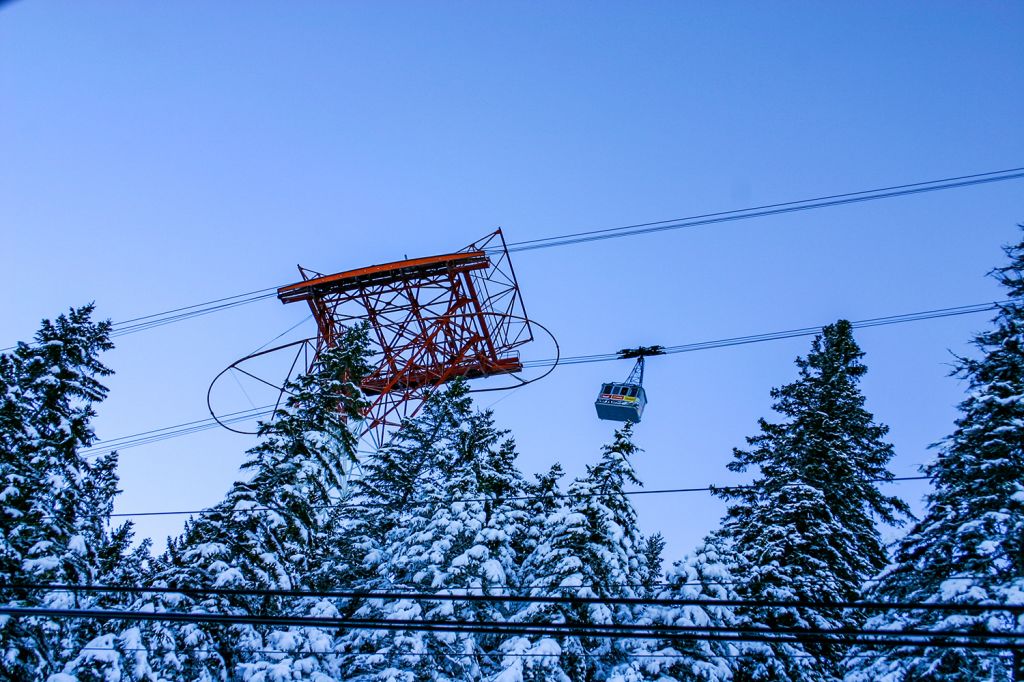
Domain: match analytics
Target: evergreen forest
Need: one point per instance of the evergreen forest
(443, 561)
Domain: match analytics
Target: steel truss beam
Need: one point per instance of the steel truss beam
(432, 319)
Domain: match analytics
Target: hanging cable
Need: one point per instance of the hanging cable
(471, 500)
(768, 210)
(137, 324)
(154, 320)
(155, 435)
(786, 334)
(522, 599)
(796, 635)
(302, 654)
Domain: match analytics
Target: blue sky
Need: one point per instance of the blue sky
(160, 155)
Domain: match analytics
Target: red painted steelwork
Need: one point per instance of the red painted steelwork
(362, 277)
(431, 320)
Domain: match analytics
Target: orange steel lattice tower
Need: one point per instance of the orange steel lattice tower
(431, 320)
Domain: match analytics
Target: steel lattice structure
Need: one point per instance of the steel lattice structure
(432, 319)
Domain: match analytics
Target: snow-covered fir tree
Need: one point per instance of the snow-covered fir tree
(805, 528)
(654, 548)
(120, 563)
(968, 547)
(704, 575)
(275, 530)
(54, 503)
(541, 498)
(436, 519)
(590, 548)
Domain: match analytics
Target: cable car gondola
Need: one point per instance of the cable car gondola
(625, 401)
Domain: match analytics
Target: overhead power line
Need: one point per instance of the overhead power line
(839, 636)
(510, 589)
(453, 596)
(155, 435)
(393, 655)
(469, 500)
(769, 210)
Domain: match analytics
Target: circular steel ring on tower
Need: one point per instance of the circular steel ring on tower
(226, 419)
(306, 351)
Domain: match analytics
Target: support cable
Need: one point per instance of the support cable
(524, 599)
(146, 437)
(838, 636)
(154, 320)
(469, 500)
(301, 654)
(768, 210)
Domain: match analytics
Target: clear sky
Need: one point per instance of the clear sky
(154, 155)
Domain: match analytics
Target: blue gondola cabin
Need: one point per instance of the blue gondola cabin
(621, 402)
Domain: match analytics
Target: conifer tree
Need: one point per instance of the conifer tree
(805, 529)
(277, 529)
(704, 575)
(968, 547)
(54, 503)
(653, 548)
(437, 520)
(121, 564)
(590, 548)
(542, 496)
(274, 530)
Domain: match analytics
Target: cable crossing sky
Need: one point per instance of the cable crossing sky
(105, 447)
(146, 322)
(769, 210)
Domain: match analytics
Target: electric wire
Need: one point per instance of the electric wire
(453, 596)
(837, 636)
(479, 654)
(507, 589)
(853, 636)
(167, 317)
(469, 500)
(849, 636)
(487, 654)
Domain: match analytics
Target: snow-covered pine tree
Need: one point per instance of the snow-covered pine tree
(54, 504)
(435, 520)
(107, 649)
(704, 575)
(275, 530)
(968, 547)
(590, 548)
(654, 546)
(805, 528)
